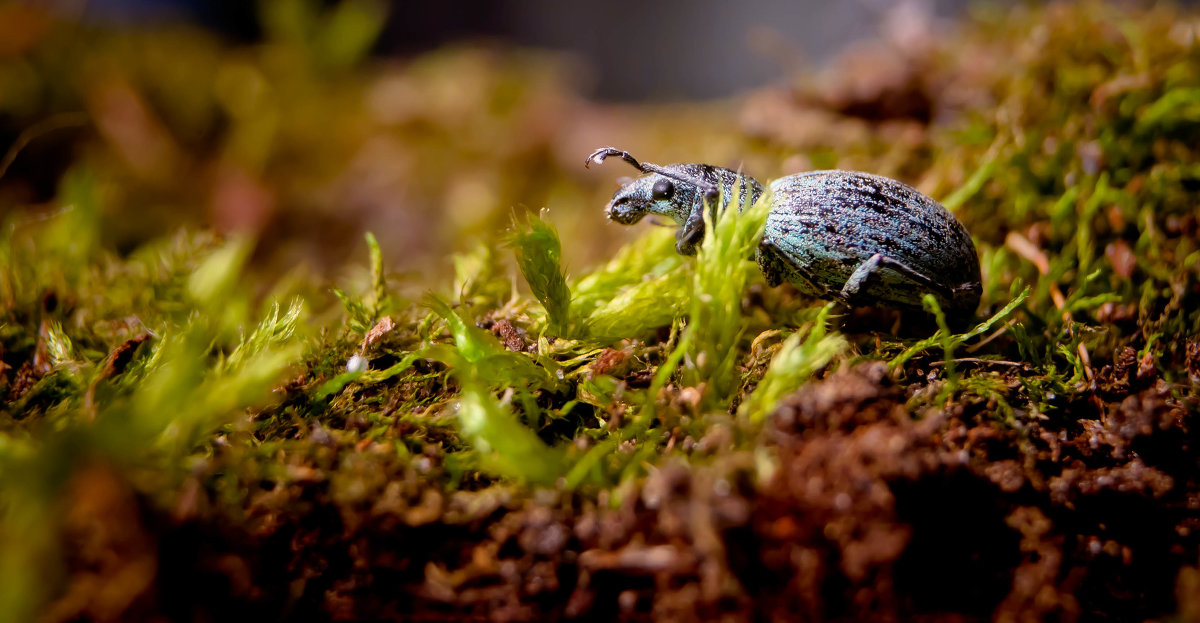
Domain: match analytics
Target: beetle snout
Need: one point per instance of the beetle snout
(621, 210)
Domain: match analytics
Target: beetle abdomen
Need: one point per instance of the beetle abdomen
(830, 222)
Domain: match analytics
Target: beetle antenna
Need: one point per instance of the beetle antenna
(598, 156)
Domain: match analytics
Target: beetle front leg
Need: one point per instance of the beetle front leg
(856, 284)
(692, 234)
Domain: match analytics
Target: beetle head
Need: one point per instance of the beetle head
(671, 190)
(651, 194)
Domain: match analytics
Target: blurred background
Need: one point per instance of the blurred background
(627, 50)
(305, 123)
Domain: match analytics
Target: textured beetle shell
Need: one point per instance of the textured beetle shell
(830, 222)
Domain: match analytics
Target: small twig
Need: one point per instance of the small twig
(45, 126)
(1025, 248)
(999, 362)
(995, 334)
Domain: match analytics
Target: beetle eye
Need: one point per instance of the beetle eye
(663, 189)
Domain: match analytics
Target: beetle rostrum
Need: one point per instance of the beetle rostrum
(859, 238)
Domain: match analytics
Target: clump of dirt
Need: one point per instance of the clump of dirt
(864, 512)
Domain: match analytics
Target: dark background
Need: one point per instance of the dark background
(633, 50)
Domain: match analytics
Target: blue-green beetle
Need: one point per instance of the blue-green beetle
(859, 238)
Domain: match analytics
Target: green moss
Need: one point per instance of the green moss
(798, 358)
(716, 325)
(539, 255)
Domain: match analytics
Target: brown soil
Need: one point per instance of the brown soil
(871, 515)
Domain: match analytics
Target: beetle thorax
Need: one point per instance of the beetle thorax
(672, 194)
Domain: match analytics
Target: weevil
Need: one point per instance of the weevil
(855, 237)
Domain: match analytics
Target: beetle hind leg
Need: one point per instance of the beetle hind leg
(856, 284)
(777, 266)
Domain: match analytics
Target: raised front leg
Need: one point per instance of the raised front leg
(692, 234)
(856, 285)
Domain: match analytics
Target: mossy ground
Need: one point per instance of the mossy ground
(644, 435)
